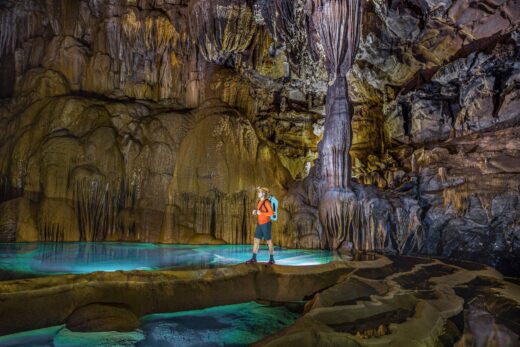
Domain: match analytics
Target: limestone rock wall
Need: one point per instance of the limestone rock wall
(435, 127)
(117, 125)
(84, 169)
(452, 128)
(442, 78)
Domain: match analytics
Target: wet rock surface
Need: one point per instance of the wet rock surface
(51, 300)
(445, 305)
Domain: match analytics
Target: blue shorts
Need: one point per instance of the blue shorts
(263, 231)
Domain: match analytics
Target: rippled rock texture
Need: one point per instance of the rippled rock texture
(153, 120)
(410, 302)
(116, 124)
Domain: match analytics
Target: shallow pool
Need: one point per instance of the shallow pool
(85, 257)
(230, 325)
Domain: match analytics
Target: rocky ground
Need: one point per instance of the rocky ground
(374, 300)
(410, 302)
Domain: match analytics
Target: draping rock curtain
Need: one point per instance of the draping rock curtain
(221, 27)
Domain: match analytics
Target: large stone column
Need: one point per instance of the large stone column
(337, 24)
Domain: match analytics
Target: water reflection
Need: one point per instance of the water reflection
(84, 257)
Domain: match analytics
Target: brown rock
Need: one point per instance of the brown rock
(102, 317)
(205, 239)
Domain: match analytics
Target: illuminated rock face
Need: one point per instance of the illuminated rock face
(153, 120)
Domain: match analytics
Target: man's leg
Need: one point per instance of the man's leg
(271, 251)
(256, 245)
(271, 248)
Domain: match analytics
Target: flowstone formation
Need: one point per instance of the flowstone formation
(153, 121)
(116, 125)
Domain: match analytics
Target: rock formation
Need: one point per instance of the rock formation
(102, 317)
(153, 120)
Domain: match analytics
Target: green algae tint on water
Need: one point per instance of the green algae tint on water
(230, 325)
(40, 258)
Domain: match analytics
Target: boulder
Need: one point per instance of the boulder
(102, 317)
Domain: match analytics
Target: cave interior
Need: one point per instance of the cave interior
(134, 135)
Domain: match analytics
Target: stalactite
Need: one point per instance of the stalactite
(225, 216)
(128, 193)
(19, 21)
(287, 23)
(153, 33)
(221, 27)
(458, 198)
(56, 221)
(96, 205)
(337, 22)
(3, 188)
(281, 19)
(49, 231)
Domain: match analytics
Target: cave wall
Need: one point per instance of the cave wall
(435, 92)
(118, 124)
(446, 78)
(153, 120)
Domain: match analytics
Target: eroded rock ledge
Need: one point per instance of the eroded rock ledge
(50, 300)
(390, 301)
(412, 302)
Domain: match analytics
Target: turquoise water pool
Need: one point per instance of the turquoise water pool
(230, 325)
(86, 257)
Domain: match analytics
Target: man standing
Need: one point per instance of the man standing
(263, 211)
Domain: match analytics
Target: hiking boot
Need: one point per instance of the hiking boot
(270, 262)
(251, 261)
